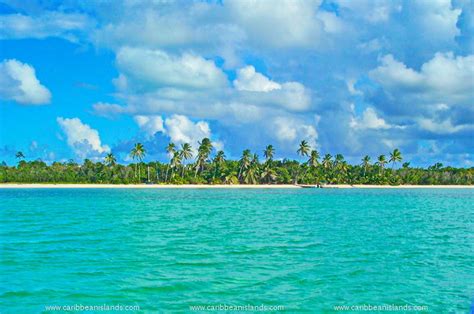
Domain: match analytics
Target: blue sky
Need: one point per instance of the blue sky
(79, 80)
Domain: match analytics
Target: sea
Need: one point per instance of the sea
(236, 250)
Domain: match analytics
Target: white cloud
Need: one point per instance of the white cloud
(369, 120)
(156, 68)
(150, 124)
(258, 89)
(351, 87)
(18, 82)
(284, 23)
(290, 131)
(331, 22)
(395, 74)
(442, 127)
(443, 79)
(250, 80)
(437, 19)
(48, 24)
(371, 11)
(182, 130)
(84, 140)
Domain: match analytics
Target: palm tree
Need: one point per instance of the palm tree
(268, 174)
(138, 152)
(313, 161)
(343, 168)
(268, 153)
(186, 153)
(365, 163)
(327, 161)
(327, 165)
(204, 150)
(110, 159)
(338, 159)
(250, 175)
(381, 161)
(20, 155)
(244, 162)
(395, 156)
(175, 162)
(218, 160)
(303, 149)
(170, 150)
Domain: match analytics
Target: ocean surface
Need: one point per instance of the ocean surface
(308, 250)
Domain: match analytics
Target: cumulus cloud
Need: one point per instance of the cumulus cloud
(443, 127)
(84, 140)
(438, 19)
(258, 89)
(155, 68)
(150, 124)
(280, 24)
(444, 79)
(250, 80)
(47, 24)
(181, 129)
(369, 120)
(373, 12)
(290, 131)
(18, 82)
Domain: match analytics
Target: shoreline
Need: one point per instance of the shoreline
(221, 186)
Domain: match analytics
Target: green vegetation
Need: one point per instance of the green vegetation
(208, 169)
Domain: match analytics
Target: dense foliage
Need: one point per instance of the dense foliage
(206, 168)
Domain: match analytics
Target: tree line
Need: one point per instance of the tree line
(207, 168)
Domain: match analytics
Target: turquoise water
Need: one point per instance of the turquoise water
(165, 250)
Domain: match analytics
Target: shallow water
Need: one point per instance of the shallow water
(306, 249)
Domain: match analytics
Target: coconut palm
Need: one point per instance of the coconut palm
(110, 160)
(186, 153)
(218, 161)
(175, 162)
(313, 161)
(327, 161)
(19, 155)
(395, 156)
(381, 161)
(244, 162)
(343, 168)
(170, 150)
(204, 150)
(365, 163)
(268, 175)
(303, 149)
(268, 153)
(338, 159)
(251, 174)
(138, 152)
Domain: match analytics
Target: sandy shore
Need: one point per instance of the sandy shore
(372, 186)
(224, 186)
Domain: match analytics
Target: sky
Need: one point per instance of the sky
(80, 79)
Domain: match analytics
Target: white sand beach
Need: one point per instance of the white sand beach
(223, 186)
